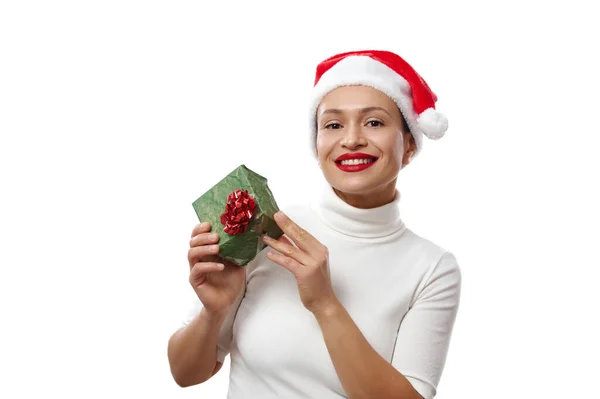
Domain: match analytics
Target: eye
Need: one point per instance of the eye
(374, 123)
(333, 125)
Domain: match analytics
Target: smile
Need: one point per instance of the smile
(355, 165)
(356, 161)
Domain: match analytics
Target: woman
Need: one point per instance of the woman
(349, 302)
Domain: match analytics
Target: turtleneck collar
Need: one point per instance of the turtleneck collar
(356, 222)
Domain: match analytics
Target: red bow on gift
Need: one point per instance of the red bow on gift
(238, 212)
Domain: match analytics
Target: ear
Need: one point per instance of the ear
(410, 147)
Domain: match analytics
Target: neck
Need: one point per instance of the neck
(373, 199)
(359, 223)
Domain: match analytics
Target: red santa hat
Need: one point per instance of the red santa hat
(390, 74)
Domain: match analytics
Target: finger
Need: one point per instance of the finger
(286, 240)
(200, 228)
(204, 239)
(284, 246)
(289, 263)
(196, 253)
(206, 267)
(297, 234)
(199, 271)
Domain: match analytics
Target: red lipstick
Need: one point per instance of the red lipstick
(357, 167)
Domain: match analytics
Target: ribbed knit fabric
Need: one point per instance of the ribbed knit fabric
(400, 289)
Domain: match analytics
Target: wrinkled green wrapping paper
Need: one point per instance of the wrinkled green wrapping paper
(240, 249)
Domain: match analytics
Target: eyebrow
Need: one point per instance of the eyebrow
(361, 111)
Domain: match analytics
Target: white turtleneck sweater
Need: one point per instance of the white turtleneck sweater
(401, 290)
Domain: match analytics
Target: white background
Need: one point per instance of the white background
(116, 115)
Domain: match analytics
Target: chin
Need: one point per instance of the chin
(357, 185)
(360, 184)
(356, 188)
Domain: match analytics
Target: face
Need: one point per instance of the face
(366, 127)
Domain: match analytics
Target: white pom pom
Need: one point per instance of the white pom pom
(432, 123)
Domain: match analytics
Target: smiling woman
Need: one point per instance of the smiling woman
(349, 302)
(345, 127)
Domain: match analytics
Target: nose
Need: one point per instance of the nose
(353, 137)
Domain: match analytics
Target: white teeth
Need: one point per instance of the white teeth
(356, 161)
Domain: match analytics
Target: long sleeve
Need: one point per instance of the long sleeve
(424, 334)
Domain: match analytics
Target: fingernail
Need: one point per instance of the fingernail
(279, 215)
(214, 248)
(221, 266)
(266, 237)
(213, 236)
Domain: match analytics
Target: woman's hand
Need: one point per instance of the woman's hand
(308, 261)
(216, 281)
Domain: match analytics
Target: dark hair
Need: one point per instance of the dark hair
(404, 122)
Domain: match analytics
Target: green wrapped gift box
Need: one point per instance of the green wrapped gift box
(240, 209)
